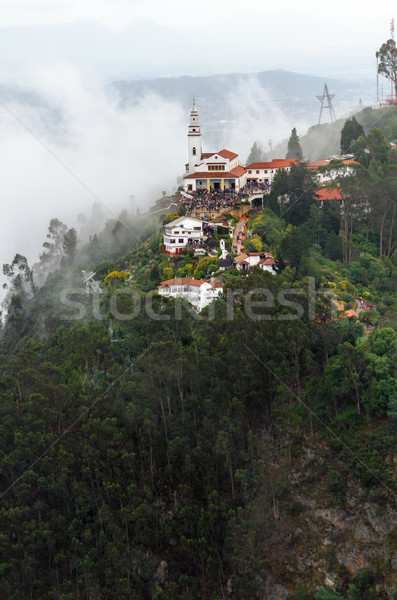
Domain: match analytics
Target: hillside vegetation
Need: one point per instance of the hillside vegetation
(151, 452)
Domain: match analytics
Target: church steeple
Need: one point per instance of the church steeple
(194, 140)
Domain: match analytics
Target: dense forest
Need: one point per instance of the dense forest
(148, 451)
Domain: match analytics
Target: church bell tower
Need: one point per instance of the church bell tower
(194, 140)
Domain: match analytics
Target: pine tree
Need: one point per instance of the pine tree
(351, 130)
(300, 591)
(69, 245)
(257, 153)
(294, 147)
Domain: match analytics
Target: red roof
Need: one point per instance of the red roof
(315, 164)
(227, 154)
(236, 172)
(276, 163)
(188, 281)
(182, 281)
(328, 194)
(224, 153)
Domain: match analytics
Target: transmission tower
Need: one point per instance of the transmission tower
(90, 283)
(328, 98)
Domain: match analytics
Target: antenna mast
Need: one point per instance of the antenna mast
(326, 96)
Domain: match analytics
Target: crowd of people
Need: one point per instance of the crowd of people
(221, 200)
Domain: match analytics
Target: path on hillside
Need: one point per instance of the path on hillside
(238, 233)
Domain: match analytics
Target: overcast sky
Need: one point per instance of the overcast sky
(341, 36)
(351, 16)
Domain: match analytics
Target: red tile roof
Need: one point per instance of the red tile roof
(276, 163)
(227, 154)
(188, 281)
(182, 281)
(238, 171)
(328, 194)
(216, 174)
(224, 153)
(315, 164)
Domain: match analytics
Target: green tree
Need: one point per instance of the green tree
(372, 149)
(300, 592)
(254, 244)
(69, 246)
(333, 246)
(20, 276)
(351, 130)
(301, 194)
(53, 247)
(387, 62)
(257, 153)
(378, 147)
(327, 593)
(294, 247)
(294, 148)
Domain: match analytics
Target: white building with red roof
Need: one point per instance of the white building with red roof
(263, 260)
(182, 233)
(324, 194)
(198, 292)
(329, 169)
(210, 170)
(265, 172)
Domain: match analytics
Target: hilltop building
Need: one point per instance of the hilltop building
(222, 171)
(217, 171)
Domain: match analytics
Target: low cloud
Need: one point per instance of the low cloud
(258, 116)
(78, 147)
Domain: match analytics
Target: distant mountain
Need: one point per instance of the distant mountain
(235, 109)
(292, 91)
(148, 49)
(271, 102)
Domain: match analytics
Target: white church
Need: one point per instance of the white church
(219, 171)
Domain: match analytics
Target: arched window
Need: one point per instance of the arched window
(194, 150)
